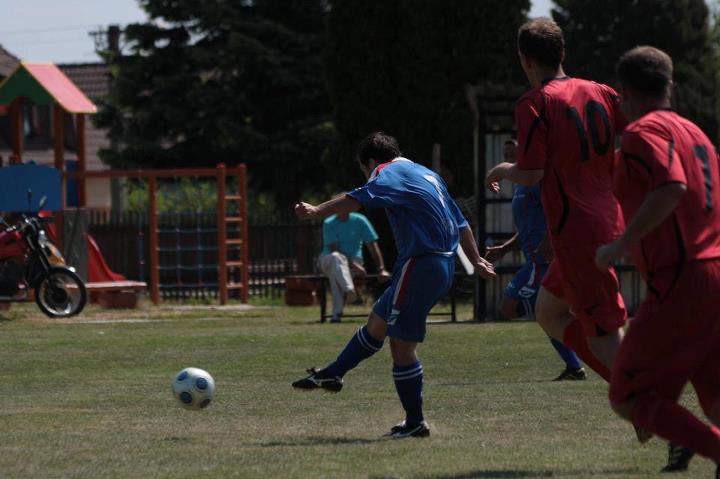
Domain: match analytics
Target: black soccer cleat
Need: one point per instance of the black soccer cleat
(678, 458)
(318, 380)
(404, 430)
(570, 374)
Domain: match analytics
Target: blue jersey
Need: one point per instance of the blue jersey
(529, 220)
(423, 217)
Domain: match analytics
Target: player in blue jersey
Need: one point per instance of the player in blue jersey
(531, 237)
(427, 226)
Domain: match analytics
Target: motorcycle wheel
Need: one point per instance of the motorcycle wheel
(60, 293)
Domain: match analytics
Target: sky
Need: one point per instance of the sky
(58, 30)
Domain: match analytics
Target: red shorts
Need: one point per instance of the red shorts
(674, 338)
(593, 295)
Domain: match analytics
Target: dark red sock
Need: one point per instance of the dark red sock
(574, 338)
(676, 424)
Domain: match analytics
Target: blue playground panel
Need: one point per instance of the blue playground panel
(23, 186)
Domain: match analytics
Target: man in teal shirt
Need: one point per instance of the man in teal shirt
(341, 257)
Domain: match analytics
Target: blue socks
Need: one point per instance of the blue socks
(567, 354)
(360, 347)
(408, 379)
(409, 384)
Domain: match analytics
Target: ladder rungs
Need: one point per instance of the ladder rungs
(234, 241)
(235, 286)
(233, 264)
(233, 219)
(233, 197)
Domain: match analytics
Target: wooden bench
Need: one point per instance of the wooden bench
(317, 291)
(116, 294)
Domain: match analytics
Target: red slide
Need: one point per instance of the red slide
(98, 269)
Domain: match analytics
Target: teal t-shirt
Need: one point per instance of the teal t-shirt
(350, 235)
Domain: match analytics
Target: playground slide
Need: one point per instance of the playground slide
(98, 269)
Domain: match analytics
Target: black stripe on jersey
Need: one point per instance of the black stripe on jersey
(679, 265)
(650, 274)
(533, 127)
(565, 205)
(638, 160)
(671, 150)
(681, 253)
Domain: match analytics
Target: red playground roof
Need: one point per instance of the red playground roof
(44, 84)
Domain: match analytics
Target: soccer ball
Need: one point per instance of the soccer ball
(193, 388)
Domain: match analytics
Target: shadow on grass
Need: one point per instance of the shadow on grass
(321, 441)
(510, 473)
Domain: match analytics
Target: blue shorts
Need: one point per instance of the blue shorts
(525, 284)
(417, 284)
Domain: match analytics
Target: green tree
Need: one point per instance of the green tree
(597, 33)
(210, 81)
(400, 66)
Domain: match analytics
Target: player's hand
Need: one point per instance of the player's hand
(384, 276)
(485, 269)
(304, 210)
(610, 253)
(494, 253)
(492, 179)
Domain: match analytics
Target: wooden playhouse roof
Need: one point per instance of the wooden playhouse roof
(44, 84)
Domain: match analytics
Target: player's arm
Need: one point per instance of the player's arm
(656, 207)
(383, 274)
(482, 267)
(494, 253)
(511, 172)
(341, 204)
(532, 147)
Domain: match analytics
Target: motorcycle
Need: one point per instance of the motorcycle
(29, 261)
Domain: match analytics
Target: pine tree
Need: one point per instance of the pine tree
(214, 81)
(400, 66)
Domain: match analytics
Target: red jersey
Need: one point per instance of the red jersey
(659, 148)
(567, 127)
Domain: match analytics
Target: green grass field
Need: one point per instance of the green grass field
(90, 398)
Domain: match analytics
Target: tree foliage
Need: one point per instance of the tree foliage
(400, 66)
(210, 81)
(597, 33)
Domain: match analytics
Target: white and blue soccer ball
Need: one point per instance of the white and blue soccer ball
(193, 388)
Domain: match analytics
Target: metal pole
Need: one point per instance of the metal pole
(81, 163)
(479, 195)
(59, 154)
(222, 235)
(245, 254)
(154, 254)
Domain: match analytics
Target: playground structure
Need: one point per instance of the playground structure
(45, 84)
(232, 231)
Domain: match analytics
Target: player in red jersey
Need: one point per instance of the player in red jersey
(566, 133)
(667, 182)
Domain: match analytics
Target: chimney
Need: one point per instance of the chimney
(113, 38)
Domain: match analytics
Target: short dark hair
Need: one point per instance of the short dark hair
(645, 69)
(378, 146)
(542, 40)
